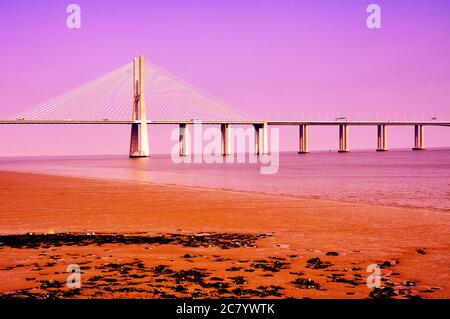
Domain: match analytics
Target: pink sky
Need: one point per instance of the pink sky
(274, 59)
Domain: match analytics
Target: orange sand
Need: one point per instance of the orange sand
(301, 229)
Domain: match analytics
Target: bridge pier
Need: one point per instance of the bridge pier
(139, 132)
(343, 138)
(226, 139)
(261, 139)
(184, 141)
(303, 145)
(419, 138)
(381, 138)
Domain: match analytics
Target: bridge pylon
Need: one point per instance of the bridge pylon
(139, 146)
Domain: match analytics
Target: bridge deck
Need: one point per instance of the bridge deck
(246, 122)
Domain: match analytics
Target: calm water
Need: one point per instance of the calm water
(399, 178)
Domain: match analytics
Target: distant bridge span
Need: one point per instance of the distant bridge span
(178, 103)
(236, 122)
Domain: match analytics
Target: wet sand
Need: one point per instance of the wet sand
(152, 241)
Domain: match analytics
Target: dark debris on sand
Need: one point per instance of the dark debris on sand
(164, 282)
(222, 240)
(272, 265)
(303, 283)
(421, 251)
(316, 263)
(339, 278)
(261, 292)
(332, 253)
(383, 293)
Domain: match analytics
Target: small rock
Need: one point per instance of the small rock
(332, 253)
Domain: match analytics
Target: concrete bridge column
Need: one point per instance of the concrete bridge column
(261, 139)
(226, 139)
(343, 138)
(139, 132)
(422, 137)
(265, 139)
(419, 138)
(303, 146)
(382, 139)
(416, 137)
(256, 126)
(134, 140)
(185, 138)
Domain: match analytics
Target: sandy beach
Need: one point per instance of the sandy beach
(153, 241)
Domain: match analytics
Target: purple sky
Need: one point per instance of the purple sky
(274, 59)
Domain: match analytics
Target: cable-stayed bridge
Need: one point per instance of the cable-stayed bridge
(140, 94)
